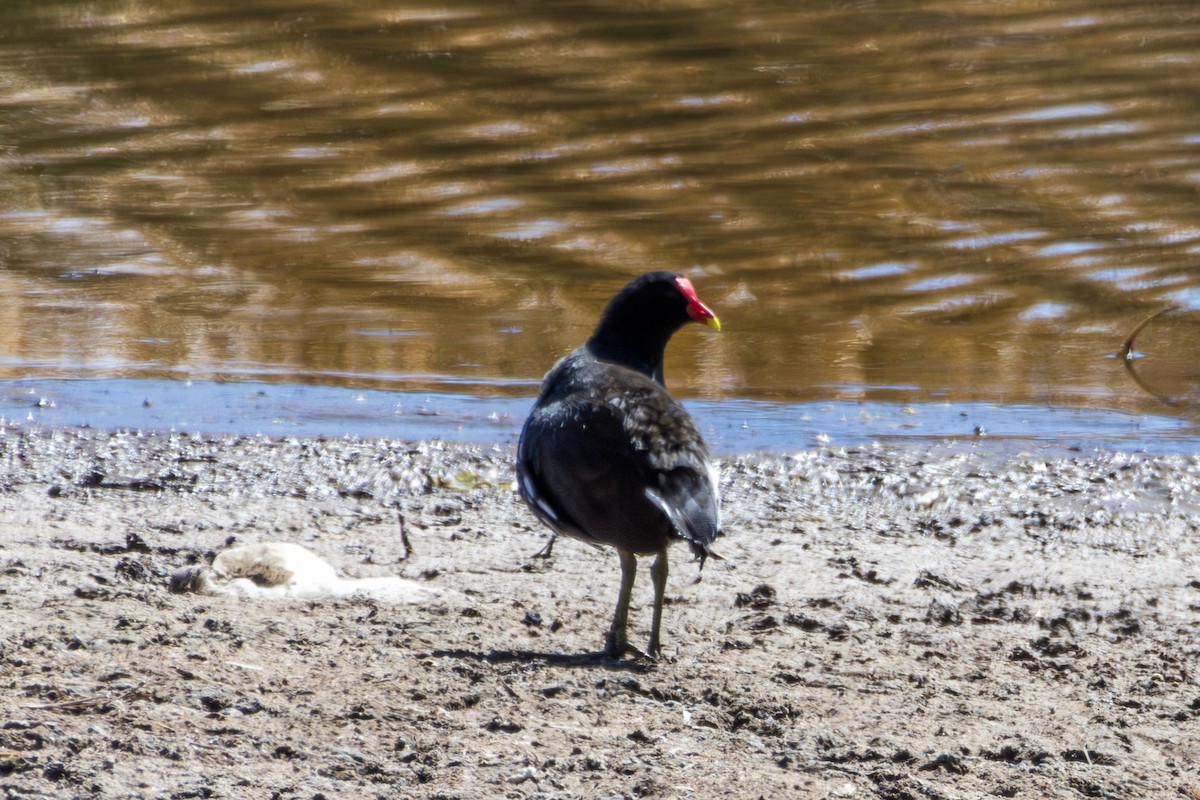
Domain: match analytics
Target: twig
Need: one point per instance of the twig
(408, 551)
(1126, 356)
(85, 702)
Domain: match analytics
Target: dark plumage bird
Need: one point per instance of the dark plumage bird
(609, 457)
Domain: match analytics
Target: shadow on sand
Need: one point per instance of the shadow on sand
(599, 659)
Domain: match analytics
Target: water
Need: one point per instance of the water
(899, 204)
(731, 426)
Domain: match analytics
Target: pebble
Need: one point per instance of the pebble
(527, 774)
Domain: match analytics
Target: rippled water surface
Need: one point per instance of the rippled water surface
(900, 202)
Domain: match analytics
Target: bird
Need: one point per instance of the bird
(609, 457)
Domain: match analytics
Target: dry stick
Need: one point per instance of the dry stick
(408, 551)
(1126, 356)
(84, 702)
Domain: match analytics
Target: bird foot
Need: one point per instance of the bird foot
(613, 649)
(546, 551)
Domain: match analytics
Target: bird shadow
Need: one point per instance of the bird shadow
(592, 660)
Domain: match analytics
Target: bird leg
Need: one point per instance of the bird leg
(658, 573)
(546, 551)
(617, 644)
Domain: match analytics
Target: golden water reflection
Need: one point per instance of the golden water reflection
(961, 200)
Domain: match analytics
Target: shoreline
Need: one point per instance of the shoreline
(732, 426)
(888, 621)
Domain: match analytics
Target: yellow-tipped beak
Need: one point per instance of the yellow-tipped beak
(713, 323)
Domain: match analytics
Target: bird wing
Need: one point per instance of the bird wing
(690, 500)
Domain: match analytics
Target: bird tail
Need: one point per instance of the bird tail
(678, 519)
(703, 553)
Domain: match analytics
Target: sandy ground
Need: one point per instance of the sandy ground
(954, 621)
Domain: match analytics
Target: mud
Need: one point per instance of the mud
(925, 622)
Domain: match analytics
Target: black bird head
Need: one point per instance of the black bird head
(641, 318)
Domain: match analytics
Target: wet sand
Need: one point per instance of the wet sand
(953, 621)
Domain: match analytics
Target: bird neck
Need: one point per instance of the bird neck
(642, 352)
